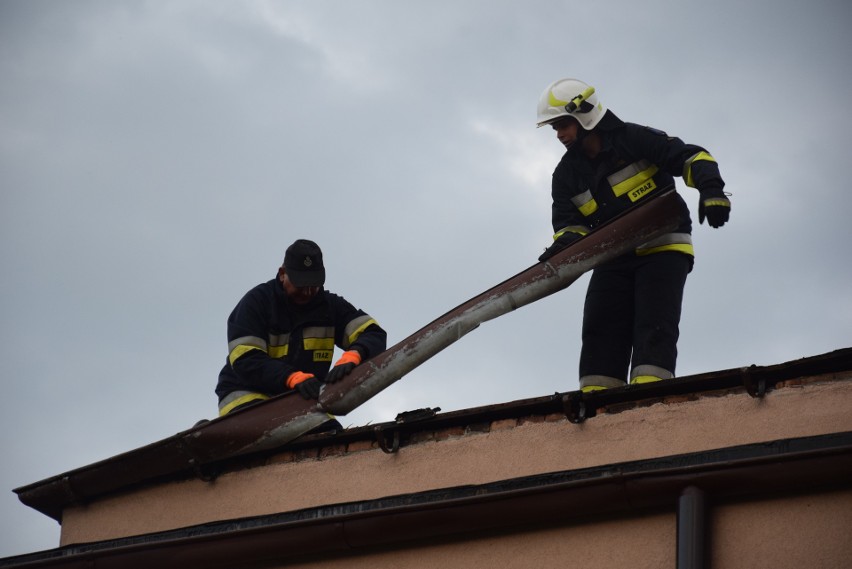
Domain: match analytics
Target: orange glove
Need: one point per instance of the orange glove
(306, 384)
(344, 366)
(297, 377)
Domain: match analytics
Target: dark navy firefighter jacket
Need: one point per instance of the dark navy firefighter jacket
(270, 337)
(635, 161)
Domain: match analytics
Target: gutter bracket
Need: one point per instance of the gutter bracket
(754, 388)
(382, 440)
(574, 407)
(206, 473)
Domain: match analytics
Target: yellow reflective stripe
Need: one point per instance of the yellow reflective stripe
(239, 351)
(578, 229)
(681, 242)
(589, 207)
(350, 338)
(585, 203)
(724, 202)
(227, 408)
(279, 351)
(318, 338)
(681, 247)
(319, 343)
(629, 171)
(645, 379)
(635, 179)
(279, 345)
(687, 166)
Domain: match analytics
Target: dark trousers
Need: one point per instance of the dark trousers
(632, 310)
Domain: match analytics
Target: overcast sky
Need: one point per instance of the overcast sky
(156, 158)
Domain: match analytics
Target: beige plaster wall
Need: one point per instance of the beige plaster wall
(650, 541)
(507, 451)
(804, 531)
(813, 531)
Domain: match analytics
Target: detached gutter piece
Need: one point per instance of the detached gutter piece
(657, 216)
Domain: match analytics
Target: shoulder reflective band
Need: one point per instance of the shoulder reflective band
(240, 346)
(687, 166)
(354, 329)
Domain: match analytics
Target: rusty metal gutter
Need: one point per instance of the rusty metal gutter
(275, 422)
(755, 471)
(623, 234)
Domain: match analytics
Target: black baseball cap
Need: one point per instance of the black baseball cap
(303, 263)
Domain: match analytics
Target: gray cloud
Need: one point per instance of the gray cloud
(157, 157)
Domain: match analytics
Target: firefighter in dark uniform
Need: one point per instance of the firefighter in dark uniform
(633, 303)
(282, 335)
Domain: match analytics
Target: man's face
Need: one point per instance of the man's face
(566, 129)
(296, 294)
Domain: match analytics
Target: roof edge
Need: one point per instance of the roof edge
(182, 454)
(815, 463)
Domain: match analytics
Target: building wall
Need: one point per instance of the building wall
(790, 533)
(649, 539)
(811, 530)
(451, 458)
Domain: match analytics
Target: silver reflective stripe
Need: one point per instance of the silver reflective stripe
(582, 199)
(354, 329)
(279, 339)
(356, 323)
(237, 398)
(668, 239)
(318, 332)
(654, 371)
(601, 381)
(247, 341)
(628, 172)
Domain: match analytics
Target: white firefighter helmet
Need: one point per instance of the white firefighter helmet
(570, 97)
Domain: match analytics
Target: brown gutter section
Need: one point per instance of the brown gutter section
(282, 419)
(655, 217)
(761, 470)
(175, 457)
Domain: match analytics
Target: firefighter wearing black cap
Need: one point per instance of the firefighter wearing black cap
(282, 335)
(633, 303)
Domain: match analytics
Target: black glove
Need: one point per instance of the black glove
(714, 206)
(560, 243)
(344, 366)
(310, 388)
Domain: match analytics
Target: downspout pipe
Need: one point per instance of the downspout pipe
(692, 529)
